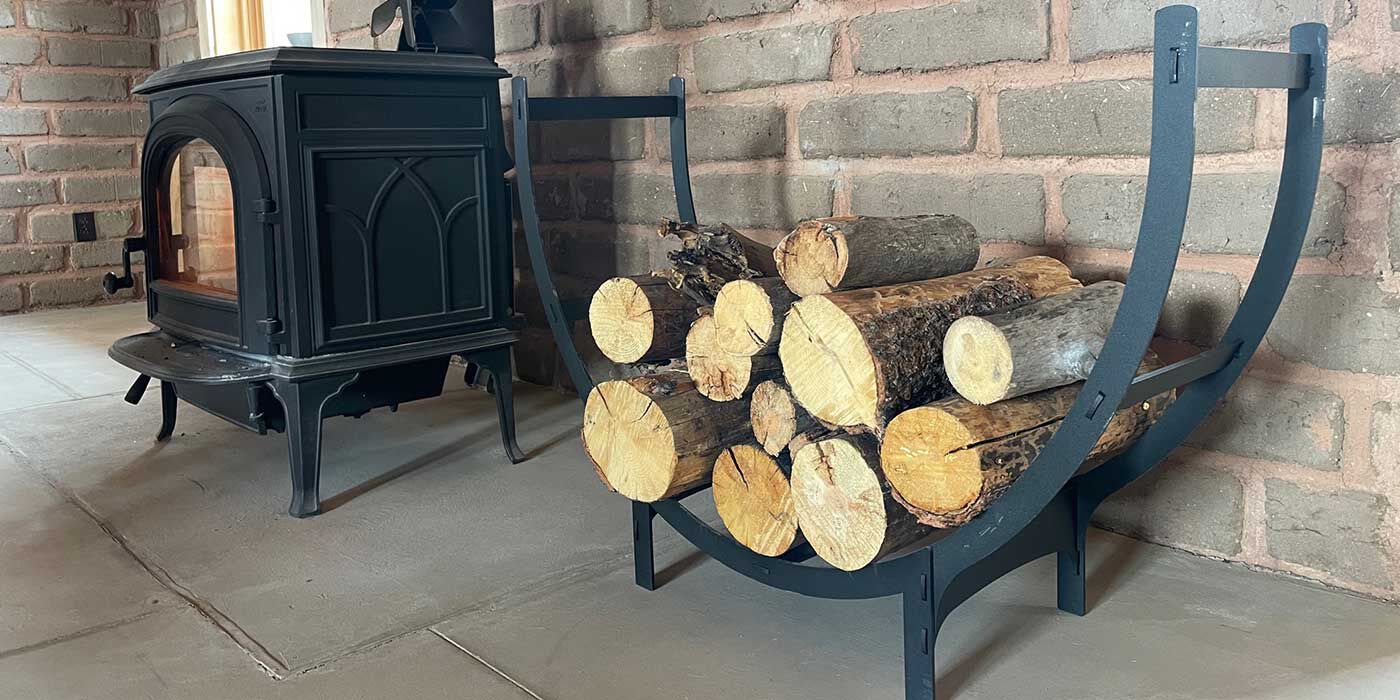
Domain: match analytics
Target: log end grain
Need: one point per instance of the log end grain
(719, 375)
(634, 319)
(831, 371)
(840, 504)
(813, 258)
(922, 459)
(748, 315)
(629, 440)
(754, 499)
(776, 417)
(979, 360)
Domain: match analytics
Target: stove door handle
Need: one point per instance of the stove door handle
(111, 283)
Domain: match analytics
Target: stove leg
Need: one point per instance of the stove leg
(303, 403)
(168, 404)
(496, 362)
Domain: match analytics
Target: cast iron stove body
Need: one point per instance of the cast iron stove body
(324, 229)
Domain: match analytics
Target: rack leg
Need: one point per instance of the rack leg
(643, 554)
(168, 404)
(1072, 574)
(920, 634)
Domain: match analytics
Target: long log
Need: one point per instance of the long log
(654, 437)
(721, 376)
(844, 505)
(776, 417)
(849, 252)
(639, 319)
(854, 359)
(749, 315)
(949, 460)
(754, 499)
(1047, 343)
(710, 256)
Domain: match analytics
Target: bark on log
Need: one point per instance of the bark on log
(639, 319)
(776, 417)
(654, 437)
(850, 252)
(844, 506)
(749, 315)
(1047, 343)
(854, 359)
(711, 256)
(754, 499)
(949, 460)
(719, 375)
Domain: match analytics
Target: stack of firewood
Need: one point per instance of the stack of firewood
(859, 386)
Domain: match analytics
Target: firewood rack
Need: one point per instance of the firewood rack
(1048, 509)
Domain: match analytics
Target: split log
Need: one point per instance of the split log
(776, 417)
(949, 460)
(754, 499)
(654, 437)
(718, 375)
(1047, 343)
(844, 506)
(639, 319)
(710, 257)
(856, 358)
(749, 315)
(850, 252)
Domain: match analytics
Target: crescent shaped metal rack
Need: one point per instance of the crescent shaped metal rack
(1048, 509)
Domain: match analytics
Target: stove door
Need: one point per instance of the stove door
(206, 194)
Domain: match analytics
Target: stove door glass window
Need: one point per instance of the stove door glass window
(197, 245)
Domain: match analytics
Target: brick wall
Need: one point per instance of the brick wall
(1029, 118)
(70, 133)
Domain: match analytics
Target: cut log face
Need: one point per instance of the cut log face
(831, 254)
(749, 315)
(844, 507)
(655, 437)
(1047, 343)
(754, 499)
(949, 460)
(710, 256)
(639, 319)
(776, 417)
(853, 359)
(721, 376)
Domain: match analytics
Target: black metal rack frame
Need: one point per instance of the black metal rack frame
(1046, 511)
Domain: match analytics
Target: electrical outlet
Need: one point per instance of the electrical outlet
(84, 226)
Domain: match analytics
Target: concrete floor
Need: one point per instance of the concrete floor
(135, 570)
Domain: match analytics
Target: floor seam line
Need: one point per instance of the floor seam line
(487, 664)
(62, 402)
(23, 364)
(264, 658)
(71, 636)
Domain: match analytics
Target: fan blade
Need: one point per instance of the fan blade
(383, 17)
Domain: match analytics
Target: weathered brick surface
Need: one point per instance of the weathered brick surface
(889, 124)
(1229, 213)
(517, 27)
(1337, 532)
(1362, 106)
(173, 17)
(554, 199)
(72, 87)
(101, 122)
(19, 50)
(1395, 15)
(23, 260)
(9, 227)
(1180, 504)
(1109, 26)
(643, 70)
(26, 193)
(545, 78)
(66, 291)
(343, 15)
(99, 254)
(1343, 323)
(730, 132)
(7, 15)
(177, 51)
(1000, 207)
(88, 52)
(9, 164)
(57, 227)
(1395, 226)
(697, 12)
(1112, 118)
(89, 17)
(919, 39)
(1199, 304)
(16, 121)
(578, 20)
(633, 198)
(1281, 422)
(562, 142)
(53, 157)
(765, 57)
(10, 297)
(1385, 436)
(769, 201)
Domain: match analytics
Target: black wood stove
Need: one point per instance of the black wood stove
(324, 229)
